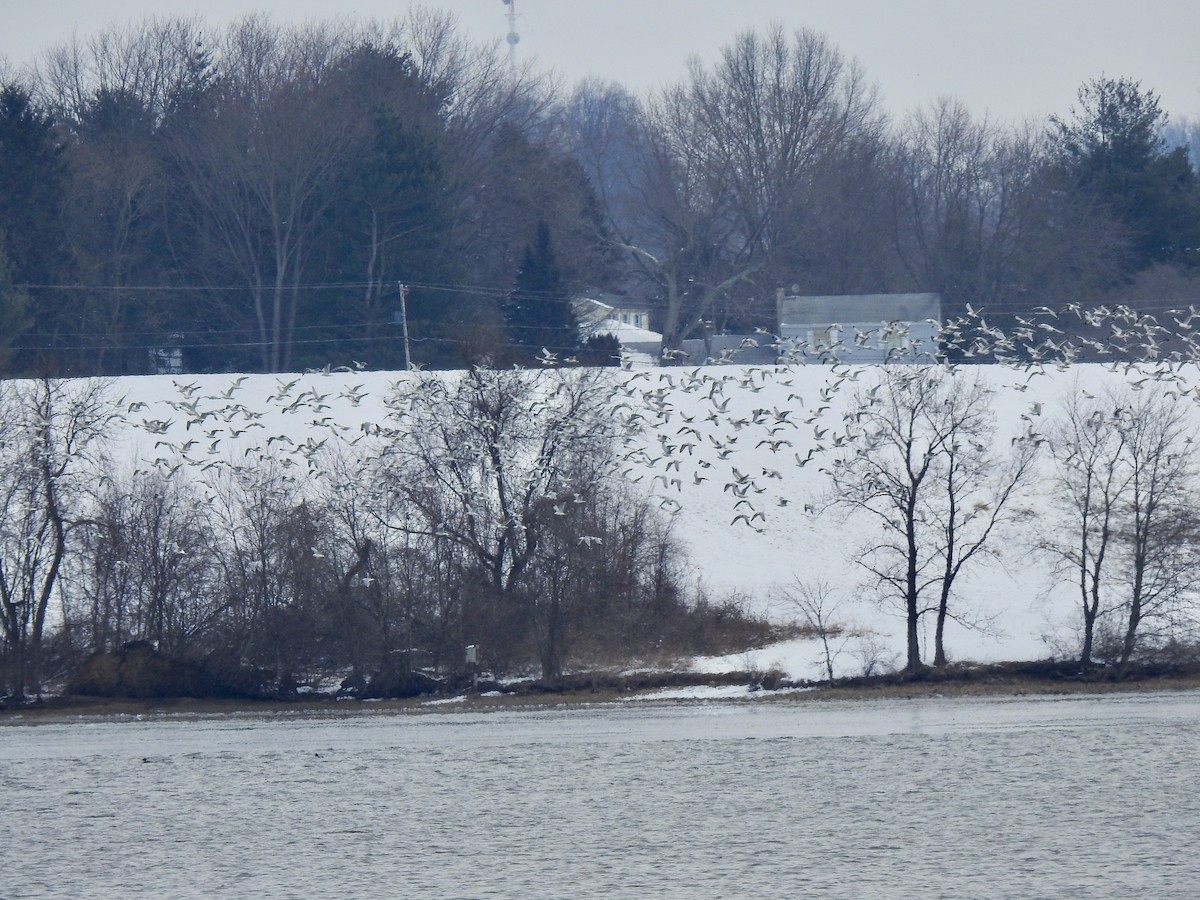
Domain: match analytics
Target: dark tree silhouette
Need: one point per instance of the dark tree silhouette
(1112, 150)
(538, 313)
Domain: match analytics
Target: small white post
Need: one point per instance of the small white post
(404, 324)
(472, 658)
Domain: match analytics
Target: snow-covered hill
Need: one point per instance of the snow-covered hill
(706, 438)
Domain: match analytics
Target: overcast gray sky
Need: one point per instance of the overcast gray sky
(1011, 58)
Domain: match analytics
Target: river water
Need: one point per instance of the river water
(1000, 797)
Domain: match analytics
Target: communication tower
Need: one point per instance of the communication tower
(513, 38)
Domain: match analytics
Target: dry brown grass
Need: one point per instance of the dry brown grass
(601, 692)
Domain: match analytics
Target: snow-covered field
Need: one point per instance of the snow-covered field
(709, 438)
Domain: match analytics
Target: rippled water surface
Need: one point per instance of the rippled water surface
(1094, 796)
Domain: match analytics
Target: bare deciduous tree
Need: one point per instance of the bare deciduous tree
(52, 433)
(817, 604)
(255, 547)
(491, 462)
(732, 163)
(919, 464)
(977, 220)
(1126, 468)
(953, 203)
(138, 575)
(1160, 523)
(265, 167)
(978, 487)
(1091, 479)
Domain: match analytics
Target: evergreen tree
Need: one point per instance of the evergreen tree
(391, 221)
(115, 231)
(541, 324)
(1112, 151)
(32, 177)
(31, 185)
(14, 309)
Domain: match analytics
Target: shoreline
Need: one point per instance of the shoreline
(75, 709)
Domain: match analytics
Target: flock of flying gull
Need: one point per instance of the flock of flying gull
(685, 427)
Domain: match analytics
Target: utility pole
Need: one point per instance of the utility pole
(404, 324)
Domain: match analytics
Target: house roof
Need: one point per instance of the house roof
(592, 305)
(626, 334)
(603, 300)
(859, 309)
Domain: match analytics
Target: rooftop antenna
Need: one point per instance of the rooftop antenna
(513, 38)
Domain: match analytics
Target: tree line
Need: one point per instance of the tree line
(500, 509)
(254, 197)
(1115, 520)
(479, 512)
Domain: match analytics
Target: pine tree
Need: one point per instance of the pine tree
(32, 191)
(14, 309)
(31, 175)
(538, 313)
(1112, 151)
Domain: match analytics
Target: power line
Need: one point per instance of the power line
(165, 336)
(173, 345)
(315, 286)
(191, 341)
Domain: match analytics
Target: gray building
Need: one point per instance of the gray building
(861, 328)
(744, 349)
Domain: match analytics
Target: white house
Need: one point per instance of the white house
(628, 324)
(609, 306)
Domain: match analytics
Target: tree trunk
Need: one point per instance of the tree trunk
(939, 653)
(1130, 642)
(1091, 610)
(912, 596)
(1089, 628)
(914, 643)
